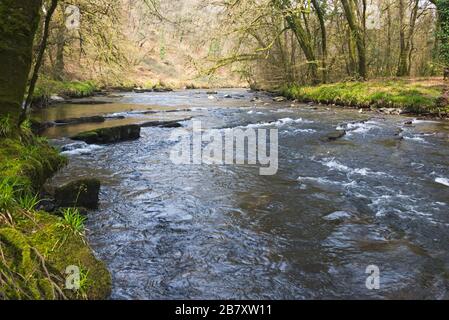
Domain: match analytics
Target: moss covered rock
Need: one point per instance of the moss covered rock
(37, 248)
(109, 135)
(81, 193)
(37, 255)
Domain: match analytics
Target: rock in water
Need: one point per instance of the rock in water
(81, 193)
(338, 216)
(161, 124)
(279, 99)
(337, 134)
(94, 119)
(109, 135)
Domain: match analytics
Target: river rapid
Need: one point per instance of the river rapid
(170, 231)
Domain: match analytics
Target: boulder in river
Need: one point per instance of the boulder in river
(81, 193)
(109, 135)
(337, 134)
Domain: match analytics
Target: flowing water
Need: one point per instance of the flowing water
(171, 231)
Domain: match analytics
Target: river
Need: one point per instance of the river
(171, 231)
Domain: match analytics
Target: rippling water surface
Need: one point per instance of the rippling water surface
(217, 232)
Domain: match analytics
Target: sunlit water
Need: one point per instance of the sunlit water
(171, 231)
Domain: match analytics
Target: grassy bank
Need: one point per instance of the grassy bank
(414, 97)
(36, 248)
(73, 89)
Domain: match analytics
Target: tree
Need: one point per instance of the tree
(356, 23)
(39, 59)
(443, 29)
(19, 20)
(406, 36)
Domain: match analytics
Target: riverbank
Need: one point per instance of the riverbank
(421, 98)
(49, 92)
(37, 247)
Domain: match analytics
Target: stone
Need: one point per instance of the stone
(80, 193)
(94, 119)
(109, 135)
(279, 99)
(161, 124)
(338, 216)
(38, 127)
(337, 134)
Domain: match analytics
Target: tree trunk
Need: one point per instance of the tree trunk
(39, 59)
(406, 40)
(59, 66)
(357, 26)
(443, 30)
(19, 20)
(320, 15)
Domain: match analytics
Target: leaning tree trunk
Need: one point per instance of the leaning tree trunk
(19, 20)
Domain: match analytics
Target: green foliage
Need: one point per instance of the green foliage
(443, 31)
(73, 220)
(377, 94)
(7, 195)
(28, 202)
(34, 249)
(84, 284)
(45, 88)
(6, 126)
(30, 161)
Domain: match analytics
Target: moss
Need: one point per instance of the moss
(412, 97)
(31, 163)
(18, 22)
(60, 249)
(109, 135)
(36, 247)
(45, 88)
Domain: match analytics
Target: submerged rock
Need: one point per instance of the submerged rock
(88, 102)
(337, 134)
(93, 119)
(81, 193)
(109, 135)
(74, 146)
(338, 216)
(161, 124)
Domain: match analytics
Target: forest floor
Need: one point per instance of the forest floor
(418, 96)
